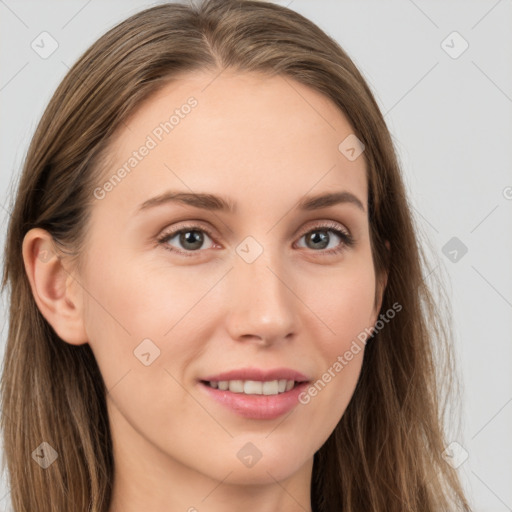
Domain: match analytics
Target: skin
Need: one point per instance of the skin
(263, 143)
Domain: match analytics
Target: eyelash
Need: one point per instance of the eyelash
(347, 239)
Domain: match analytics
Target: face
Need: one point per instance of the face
(257, 298)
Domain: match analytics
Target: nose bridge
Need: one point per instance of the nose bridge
(263, 305)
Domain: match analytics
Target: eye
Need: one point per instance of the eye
(319, 239)
(191, 239)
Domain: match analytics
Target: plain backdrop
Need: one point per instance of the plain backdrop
(441, 73)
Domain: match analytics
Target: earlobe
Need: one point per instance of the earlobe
(58, 302)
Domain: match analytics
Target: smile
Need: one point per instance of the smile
(254, 387)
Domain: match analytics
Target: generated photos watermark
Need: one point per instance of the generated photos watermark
(156, 136)
(344, 359)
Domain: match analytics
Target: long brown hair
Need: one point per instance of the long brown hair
(385, 454)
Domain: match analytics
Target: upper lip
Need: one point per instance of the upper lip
(259, 374)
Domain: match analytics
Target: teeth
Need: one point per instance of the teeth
(254, 387)
(236, 386)
(270, 388)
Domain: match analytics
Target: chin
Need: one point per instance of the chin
(252, 466)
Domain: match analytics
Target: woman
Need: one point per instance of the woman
(216, 291)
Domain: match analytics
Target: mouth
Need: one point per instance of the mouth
(254, 393)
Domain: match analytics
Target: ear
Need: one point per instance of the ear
(55, 290)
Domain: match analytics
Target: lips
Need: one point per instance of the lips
(256, 393)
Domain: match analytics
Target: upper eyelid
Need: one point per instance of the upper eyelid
(321, 224)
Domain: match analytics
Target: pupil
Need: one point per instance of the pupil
(320, 237)
(196, 239)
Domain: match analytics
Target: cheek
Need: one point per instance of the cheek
(146, 322)
(140, 300)
(344, 303)
(142, 332)
(345, 308)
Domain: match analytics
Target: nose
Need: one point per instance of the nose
(263, 307)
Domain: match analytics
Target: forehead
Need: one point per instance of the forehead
(244, 135)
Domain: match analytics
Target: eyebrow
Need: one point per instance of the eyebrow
(219, 203)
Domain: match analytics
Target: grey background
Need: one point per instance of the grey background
(451, 119)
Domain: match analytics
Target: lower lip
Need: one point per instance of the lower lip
(257, 407)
